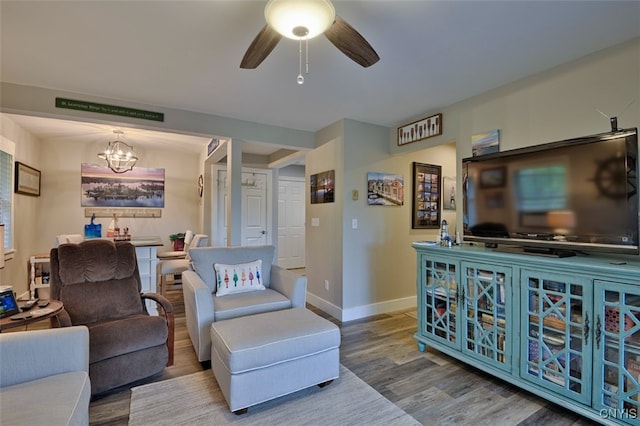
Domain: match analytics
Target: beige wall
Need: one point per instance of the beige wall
(371, 269)
(323, 243)
(58, 211)
(25, 208)
(368, 268)
(377, 267)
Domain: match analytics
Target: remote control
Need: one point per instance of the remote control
(29, 304)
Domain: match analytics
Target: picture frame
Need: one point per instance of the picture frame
(485, 143)
(425, 128)
(140, 187)
(27, 180)
(322, 187)
(426, 195)
(385, 189)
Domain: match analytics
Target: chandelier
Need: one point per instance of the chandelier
(119, 155)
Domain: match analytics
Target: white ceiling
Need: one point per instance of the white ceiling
(186, 55)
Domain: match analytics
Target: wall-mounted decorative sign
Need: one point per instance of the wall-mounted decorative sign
(27, 180)
(385, 189)
(426, 195)
(141, 187)
(136, 213)
(485, 143)
(422, 129)
(322, 187)
(108, 109)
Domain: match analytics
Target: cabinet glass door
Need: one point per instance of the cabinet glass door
(487, 296)
(556, 344)
(441, 301)
(617, 344)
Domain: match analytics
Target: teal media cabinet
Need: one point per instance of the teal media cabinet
(566, 329)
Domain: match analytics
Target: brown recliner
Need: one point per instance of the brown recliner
(99, 284)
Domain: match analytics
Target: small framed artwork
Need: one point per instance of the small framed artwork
(449, 189)
(385, 189)
(427, 195)
(422, 129)
(27, 180)
(493, 178)
(485, 143)
(322, 186)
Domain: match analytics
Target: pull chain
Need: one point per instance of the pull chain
(300, 77)
(306, 46)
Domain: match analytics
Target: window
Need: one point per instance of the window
(7, 152)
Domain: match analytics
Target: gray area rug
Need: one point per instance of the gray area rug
(196, 399)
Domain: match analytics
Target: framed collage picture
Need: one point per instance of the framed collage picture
(427, 191)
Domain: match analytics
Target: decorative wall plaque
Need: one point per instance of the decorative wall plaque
(422, 129)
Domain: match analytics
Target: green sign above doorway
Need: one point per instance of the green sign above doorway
(108, 109)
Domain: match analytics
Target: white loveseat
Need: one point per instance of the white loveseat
(44, 377)
(284, 290)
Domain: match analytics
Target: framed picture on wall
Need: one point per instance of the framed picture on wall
(385, 189)
(321, 187)
(27, 180)
(140, 187)
(427, 195)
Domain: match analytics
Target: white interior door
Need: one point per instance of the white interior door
(254, 208)
(291, 229)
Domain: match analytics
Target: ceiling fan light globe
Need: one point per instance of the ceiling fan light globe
(285, 15)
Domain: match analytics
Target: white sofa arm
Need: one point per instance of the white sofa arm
(31, 355)
(199, 313)
(292, 285)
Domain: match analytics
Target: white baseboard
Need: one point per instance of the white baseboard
(324, 306)
(363, 311)
(378, 308)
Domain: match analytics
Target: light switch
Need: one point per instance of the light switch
(354, 223)
(315, 222)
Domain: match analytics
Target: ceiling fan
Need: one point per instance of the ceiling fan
(303, 20)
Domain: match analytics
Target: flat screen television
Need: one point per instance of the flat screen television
(558, 198)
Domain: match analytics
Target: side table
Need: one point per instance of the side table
(37, 314)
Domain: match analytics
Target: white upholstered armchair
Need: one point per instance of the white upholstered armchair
(204, 304)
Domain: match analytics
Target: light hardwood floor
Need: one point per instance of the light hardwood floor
(433, 388)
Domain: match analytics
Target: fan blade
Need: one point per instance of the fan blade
(260, 47)
(351, 43)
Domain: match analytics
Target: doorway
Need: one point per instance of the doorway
(255, 219)
(291, 222)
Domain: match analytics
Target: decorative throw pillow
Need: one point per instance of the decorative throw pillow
(232, 279)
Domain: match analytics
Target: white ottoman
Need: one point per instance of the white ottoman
(260, 357)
